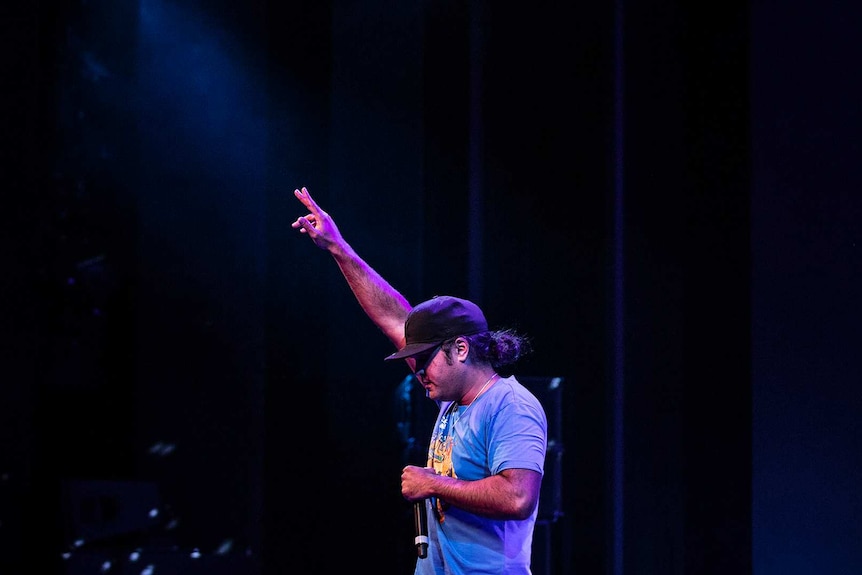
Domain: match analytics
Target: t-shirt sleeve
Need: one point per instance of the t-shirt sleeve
(518, 436)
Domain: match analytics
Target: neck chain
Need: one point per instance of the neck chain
(457, 404)
(452, 410)
(481, 389)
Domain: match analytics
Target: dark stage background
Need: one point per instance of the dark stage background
(665, 198)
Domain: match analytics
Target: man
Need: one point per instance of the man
(480, 489)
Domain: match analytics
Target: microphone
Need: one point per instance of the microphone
(420, 519)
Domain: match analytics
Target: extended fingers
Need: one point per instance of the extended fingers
(309, 223)
(303, 196)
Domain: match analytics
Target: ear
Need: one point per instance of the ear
(461, 349)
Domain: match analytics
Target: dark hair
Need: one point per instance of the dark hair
(500, 348)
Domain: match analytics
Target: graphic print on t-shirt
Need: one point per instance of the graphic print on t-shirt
(440, 455)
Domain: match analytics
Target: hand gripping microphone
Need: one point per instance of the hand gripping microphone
(420, 519)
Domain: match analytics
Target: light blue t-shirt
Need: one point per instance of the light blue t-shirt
(503, 428)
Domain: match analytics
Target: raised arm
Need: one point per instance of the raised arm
(382, 303)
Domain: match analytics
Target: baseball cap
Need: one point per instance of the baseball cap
(438, 319)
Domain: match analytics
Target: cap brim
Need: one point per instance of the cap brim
(412, 349)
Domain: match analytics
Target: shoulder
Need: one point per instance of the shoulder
(510, 395)
(516, 391)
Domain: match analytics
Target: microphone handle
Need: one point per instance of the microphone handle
(420, 520)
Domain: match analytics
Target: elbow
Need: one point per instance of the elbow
(523, 493)
(523, 507)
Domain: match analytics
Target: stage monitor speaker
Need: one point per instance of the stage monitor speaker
(99, 510)
(549, 391)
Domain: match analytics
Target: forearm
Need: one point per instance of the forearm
(512, 494)
(381, 302)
